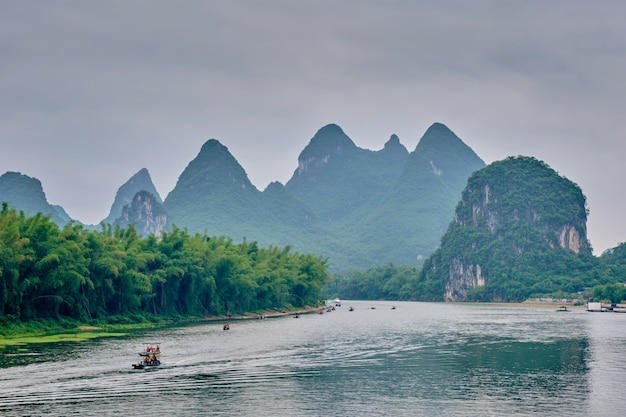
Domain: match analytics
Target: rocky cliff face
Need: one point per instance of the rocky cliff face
(570, 238)
(146, 213)
(462, 277)
(514, 216)
(141, 181)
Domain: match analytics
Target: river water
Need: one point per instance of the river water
(419, 359)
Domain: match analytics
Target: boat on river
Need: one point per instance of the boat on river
(150, 357)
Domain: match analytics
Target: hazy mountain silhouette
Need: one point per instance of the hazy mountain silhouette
(408, 218)
(335, 177)
(358, 208)
(26, 194)
(141, 181)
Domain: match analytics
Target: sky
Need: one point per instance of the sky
(92, 92)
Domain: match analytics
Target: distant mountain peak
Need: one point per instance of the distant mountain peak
(141, 181)
(22, 192)
(437, 135)
(213, 179)
(215, 164)
(330, 140)
(443, 150)
(394, 139)
(274, 185)
(393, 145)
(439, 127)
(213, 145)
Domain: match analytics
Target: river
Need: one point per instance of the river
(419, 359)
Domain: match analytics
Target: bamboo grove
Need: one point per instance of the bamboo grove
(52, 272)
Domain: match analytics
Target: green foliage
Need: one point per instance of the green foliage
(609, 293)
(514, 223)
(614, 265)
(114, 274)
(388, 282)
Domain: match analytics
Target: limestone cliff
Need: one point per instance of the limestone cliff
(141, 181)
(518, 221)
(146, 213)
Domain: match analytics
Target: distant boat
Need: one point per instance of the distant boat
(595, 307)
(563, 308)
(337, 302)
(150, 357)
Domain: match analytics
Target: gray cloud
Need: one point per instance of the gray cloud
(90, 92)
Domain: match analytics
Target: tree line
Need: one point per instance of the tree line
(597, 280)
(51, 272)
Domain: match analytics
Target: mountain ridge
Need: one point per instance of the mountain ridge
(356, 207)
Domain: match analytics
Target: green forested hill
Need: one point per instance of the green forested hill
(409, 218)
(519, 230)
(335, 178)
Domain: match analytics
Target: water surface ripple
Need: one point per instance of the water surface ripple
(416, 359)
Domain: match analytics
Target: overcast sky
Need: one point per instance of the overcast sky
(93, 91)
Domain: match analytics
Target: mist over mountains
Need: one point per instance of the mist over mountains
(359, 208)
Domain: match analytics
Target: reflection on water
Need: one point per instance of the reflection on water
(419, 359)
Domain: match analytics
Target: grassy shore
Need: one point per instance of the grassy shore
(50, 331)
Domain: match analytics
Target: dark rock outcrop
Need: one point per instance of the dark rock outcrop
(145, 212)
(141, 181)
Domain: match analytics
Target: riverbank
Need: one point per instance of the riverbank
(50, 331)
(265, 314)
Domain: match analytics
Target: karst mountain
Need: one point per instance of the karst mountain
(356, 207)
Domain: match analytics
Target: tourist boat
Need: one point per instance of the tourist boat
(563, 308)
(150, 357)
